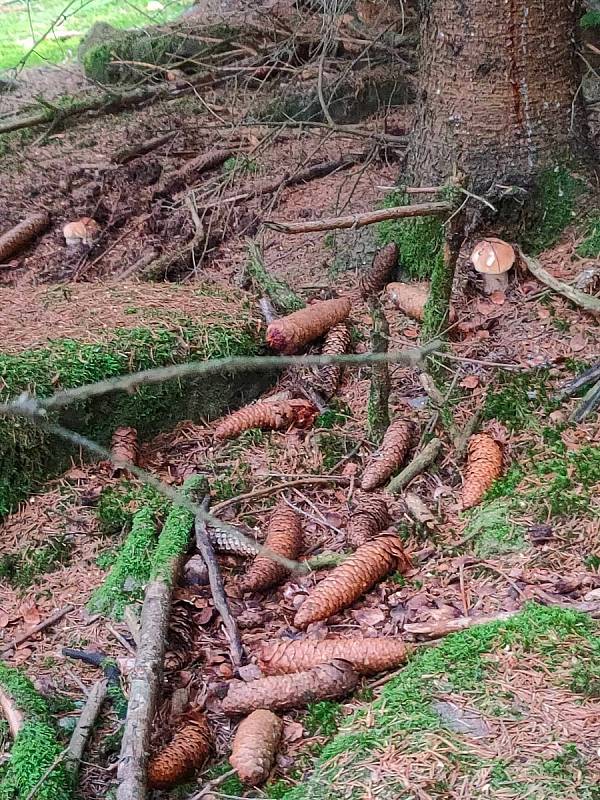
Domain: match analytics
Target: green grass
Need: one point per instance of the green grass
(404, 715)
(25, 23)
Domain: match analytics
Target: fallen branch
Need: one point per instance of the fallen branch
(419, 464)
(18, 237)
(217, 590)
(590, 375)
(85, 724)
(590, 402)
(45, 623)
(147, 673)
(461, 438)
(361, 219)
(126, 154)
(586, 301)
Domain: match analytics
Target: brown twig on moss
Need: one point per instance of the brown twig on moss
(45, 623)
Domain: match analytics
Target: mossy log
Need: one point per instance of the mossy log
(153, 326)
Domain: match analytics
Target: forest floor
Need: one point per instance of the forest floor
(508, 710)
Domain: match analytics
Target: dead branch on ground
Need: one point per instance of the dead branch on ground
(126, 154)
(586, 301)
(85, 724)
(12, 714)
(419, 464)
(45, 623)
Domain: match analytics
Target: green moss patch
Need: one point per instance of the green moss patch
(420, 240)
(28, 455)
(550, 209)
(590, 246)
(21, 568)
(425, 708)
(35, 756)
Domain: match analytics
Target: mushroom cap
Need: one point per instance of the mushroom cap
(85, 230)
(492, 256)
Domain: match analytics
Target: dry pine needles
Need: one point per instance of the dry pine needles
(284, 537)
(255, 746)
(290, 334)
(484, 466)
(367, 656)
(347, 582)
(398, 441)
(279, 692)
(187, 752)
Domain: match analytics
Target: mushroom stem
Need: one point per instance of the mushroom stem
(495, 283)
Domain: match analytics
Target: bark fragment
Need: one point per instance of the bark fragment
(187, 752)
(484, 466)
(255, 746)
(398, 440)
(279, 692)
(290, 334)
(284, 537)
(267, 416)
(124, 447)
(356, 575)
(367, 656)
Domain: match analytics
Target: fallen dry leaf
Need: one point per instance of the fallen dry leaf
(470, 382)
(369, 616)
(578, 343)
(292, 731)
(411, 333)
(4, 619)
(30, 614)
(498, 298)
(204, 616)
(543, 313)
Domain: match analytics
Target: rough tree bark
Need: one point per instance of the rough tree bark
(498, 96)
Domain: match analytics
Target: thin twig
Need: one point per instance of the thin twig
(361, 219)
(23, 637)
(280, 487)
(85, 723)
(419, 464)
(217, 589)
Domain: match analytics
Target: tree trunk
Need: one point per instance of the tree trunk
(498, 97)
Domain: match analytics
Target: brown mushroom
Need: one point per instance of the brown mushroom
(493, 258)
(81, 231)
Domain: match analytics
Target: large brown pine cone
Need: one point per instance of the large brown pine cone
(327, 379)
(398, 440)
(375, 278)
(187, 752)
(180, 637)
(367, 656)
(279, 692)
(16, 238)
(267, 415)
(255, 745)
(124, 447)
(284, 537)
(369, 517)
(290, 334)
(484, 466)
(352, 578)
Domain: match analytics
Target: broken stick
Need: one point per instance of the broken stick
(419, 464)
(45, 623)
(18, 237)
(362, 219)
(217, 589)
(586, 301)
(85, 724)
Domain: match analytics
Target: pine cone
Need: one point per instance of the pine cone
(255, 746)
(410, 298)
(187, 752)
(268, 416)
(16, 238)
(180, 637)
(290, 334)
(279, 692)
(284, 537)
(367, 656)
(375, 278)
(227, 542)
(124, 446)
(352, 578)
(484, 466)
(398, 440)
(368, 518)
(327, 379)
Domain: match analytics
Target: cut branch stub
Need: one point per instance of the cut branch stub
(266, 415)
(367, 656)
(355, 576)
(398, 440)
(16, 238)
(484, 466)
(187, 752)
(369, 517)
(284, 537)
(375, 278)
(255, 746)
(290, 334)
(280, 692)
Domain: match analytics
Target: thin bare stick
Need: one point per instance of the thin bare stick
(342, 480)
(359, 220)
(419, 464)
(217, 590)
(212, 784)
(45, 623)
(461, 439)
(437, 629)
(85, 724)
(586, 301)
(126, 154)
